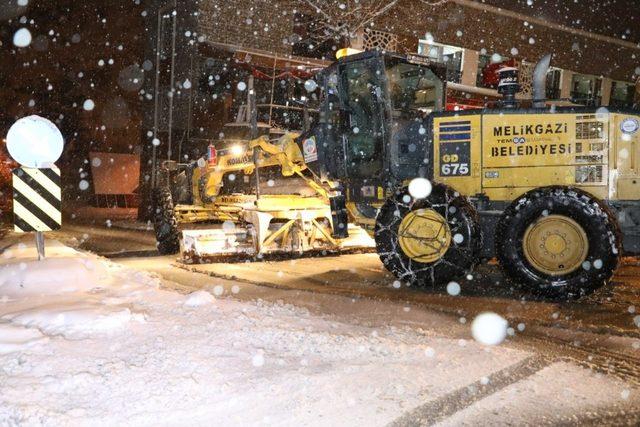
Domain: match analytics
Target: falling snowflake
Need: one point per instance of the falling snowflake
(489, 328)
(453, 288)
(88, 105)
(420, 188)
(310, 85)
(257, 360)
(22, 38)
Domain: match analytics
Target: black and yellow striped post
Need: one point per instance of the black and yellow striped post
(37, 202)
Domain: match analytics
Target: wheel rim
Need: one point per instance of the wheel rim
(555, 245)
(424, 235)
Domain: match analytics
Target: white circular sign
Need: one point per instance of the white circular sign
(34, 142)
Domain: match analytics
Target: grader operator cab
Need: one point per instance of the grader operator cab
(552, 193)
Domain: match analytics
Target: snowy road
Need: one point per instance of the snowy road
(354, 289)
(404, 356)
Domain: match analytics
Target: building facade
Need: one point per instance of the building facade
(205, 51)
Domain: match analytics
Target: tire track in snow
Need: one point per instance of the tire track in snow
(457, 400)
(596, 358)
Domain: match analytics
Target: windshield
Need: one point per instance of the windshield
(413, 87)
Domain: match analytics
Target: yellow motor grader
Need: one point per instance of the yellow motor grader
(552, 192)
(219, 206)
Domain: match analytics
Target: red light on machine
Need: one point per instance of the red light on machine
(213, 155)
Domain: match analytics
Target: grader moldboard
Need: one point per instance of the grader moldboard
(551, 192)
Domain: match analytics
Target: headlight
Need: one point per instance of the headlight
(237, 150)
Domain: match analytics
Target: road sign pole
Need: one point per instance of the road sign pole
(36, 144)
(40, 244)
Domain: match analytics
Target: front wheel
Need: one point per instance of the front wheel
(558, 242)
(165, 223)
(428, 241)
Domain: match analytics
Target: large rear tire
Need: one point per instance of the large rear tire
(165, 223)
(558, 242)
(428, 241)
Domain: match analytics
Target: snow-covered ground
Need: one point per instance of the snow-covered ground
(84, 341)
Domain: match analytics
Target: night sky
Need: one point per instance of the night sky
(616, 18)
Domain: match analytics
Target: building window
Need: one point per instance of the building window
(450, 56)
(622, 94)
(553, 83)
(586, 90)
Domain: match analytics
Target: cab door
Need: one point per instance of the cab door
(363, 129)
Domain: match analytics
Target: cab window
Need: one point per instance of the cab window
(364, 110)
(413, 87)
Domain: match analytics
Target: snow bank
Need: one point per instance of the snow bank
(14, 338)
(22, 277)
(74, 320)
(69, 293)
(199, 298)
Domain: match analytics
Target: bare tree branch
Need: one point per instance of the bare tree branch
(435, 2)
(342, 19)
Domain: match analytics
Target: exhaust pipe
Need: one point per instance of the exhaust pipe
(540, 81)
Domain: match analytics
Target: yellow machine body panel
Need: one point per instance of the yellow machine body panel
(625, 155)
(458, 152)
(505, 154)
(284, 153)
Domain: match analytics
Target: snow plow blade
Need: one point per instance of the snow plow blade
(290, 238)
